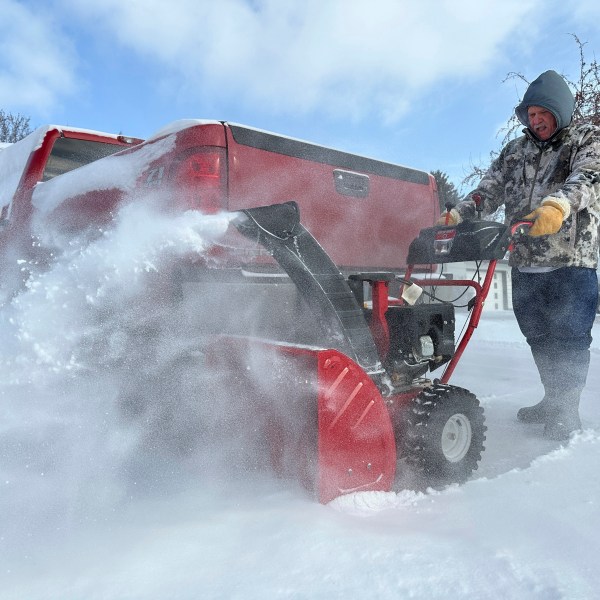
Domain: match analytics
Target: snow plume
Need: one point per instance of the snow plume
(87, 285)
(114, 381)
(98, 389)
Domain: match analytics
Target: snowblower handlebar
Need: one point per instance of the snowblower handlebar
(471, 240)
(517, 231)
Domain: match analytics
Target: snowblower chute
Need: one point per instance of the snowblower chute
(358, 406)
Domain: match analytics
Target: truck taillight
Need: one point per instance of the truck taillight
(199, 180)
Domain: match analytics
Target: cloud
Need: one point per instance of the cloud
(346, 57)
(36, 63)
(584, 11)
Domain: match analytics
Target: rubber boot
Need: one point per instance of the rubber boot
(569, 379)
(538, 413)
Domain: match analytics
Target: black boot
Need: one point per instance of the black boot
(563, 374)
(570, 375)
(538, 413)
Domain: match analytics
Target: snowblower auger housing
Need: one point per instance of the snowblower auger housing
(367, 403)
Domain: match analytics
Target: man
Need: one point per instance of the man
(550, 176)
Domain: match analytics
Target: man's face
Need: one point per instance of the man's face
(541, 122)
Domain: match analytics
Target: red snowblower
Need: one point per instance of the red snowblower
(349, 413)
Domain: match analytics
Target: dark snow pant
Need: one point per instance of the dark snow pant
(555, 312)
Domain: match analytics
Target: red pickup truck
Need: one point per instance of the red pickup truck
(364, 212)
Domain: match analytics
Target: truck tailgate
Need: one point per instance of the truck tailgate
(364, 212)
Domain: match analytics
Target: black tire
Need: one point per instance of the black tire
(444, 435)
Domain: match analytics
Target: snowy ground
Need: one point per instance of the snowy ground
(73, 527)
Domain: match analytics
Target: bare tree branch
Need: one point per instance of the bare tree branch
(13, 127)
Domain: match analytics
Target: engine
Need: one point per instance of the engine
(421, 339)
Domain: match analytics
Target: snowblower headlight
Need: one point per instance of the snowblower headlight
(442, 243)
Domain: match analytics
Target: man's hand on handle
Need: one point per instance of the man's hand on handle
(548, 218)
(450, 217)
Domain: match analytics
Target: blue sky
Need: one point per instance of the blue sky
(415, 82)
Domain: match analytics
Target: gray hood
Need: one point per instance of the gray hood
(550, 91)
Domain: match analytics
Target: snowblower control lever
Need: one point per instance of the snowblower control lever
(517, 231)
(478, 204)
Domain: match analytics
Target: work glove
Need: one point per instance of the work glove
(548, 217)
(452, 217)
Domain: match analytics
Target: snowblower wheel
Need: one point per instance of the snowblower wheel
(444, 435)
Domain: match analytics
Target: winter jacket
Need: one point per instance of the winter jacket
(565, 167)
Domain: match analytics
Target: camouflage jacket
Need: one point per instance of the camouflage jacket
(526, 172)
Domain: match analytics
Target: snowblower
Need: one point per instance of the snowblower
(347, 414)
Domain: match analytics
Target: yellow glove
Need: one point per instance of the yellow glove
(452, 217)
(548, 217)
